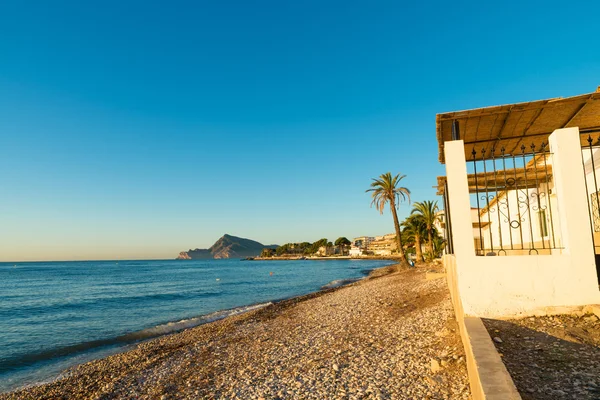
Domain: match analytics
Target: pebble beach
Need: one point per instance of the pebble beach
(389, 336)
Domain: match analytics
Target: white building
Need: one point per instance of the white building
(441, 224)
(363, 241)
(356, 251)
(522, 204)
(369, 245)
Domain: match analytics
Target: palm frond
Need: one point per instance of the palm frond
(385, 190)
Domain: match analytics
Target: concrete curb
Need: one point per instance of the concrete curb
(592, 309)
(488, 377)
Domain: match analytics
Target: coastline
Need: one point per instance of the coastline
(103, 348)
(121, 374)
(302, 258)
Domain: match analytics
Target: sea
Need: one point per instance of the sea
(54, 315)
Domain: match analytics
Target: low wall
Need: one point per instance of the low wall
(488, 377)
(516, 286)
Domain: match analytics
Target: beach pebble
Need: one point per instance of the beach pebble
(435, 365)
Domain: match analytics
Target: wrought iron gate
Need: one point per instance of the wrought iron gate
(511, 196)
(590, 155)
(447, 221)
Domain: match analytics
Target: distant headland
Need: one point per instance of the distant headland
(227, 246)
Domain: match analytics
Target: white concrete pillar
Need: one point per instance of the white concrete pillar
(460, 203)
(571, 195)
(570, 189)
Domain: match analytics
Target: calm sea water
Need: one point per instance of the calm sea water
(57, 314)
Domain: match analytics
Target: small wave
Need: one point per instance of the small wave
(159, 330)
(189, 323)
(339, 282)
(39, 306)
(366, 271)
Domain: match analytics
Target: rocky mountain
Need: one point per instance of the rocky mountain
(227, 247)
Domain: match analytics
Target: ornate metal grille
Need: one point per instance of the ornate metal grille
(511, 197)
(448, 222)
(595, 211)
(590, 153)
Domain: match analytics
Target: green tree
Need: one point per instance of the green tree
(342, 243)
(266, 252)
(319, 243)
(387, 190)
(414, 230)
(283, 249)
(439, 243)
(428, 211)
(304, 248)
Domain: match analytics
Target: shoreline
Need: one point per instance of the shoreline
(129, 341)
(190, 363)
(302, 258)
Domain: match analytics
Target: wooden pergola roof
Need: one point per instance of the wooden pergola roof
(513, 125)
(510, 179)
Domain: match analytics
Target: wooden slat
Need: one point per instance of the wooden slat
(513, 125)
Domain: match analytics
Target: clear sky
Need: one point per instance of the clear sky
(138, 129)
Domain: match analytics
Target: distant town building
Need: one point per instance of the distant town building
(360, 245)
(368, 245)
(383, 245)
(355, 251)
(362, 241)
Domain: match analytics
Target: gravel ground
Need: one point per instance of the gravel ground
(392, 336)
(555, 357)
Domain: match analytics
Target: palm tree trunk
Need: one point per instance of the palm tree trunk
(398, 237)
(418, 247)
(430, 244)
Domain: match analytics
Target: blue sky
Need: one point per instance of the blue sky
(140, 129)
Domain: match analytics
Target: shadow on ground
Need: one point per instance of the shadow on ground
(550, 357)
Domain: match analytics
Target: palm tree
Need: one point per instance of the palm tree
(386, 189)
(438, 244)
(428, 211)
(415, 229)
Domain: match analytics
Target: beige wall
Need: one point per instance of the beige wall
(522, 285)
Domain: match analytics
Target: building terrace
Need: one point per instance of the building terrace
(530, 171)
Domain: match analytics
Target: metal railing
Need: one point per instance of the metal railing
(590, 155)
(447, 221)
(511, 201)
